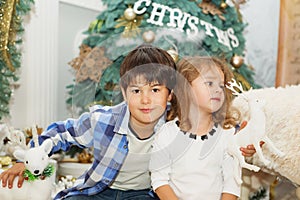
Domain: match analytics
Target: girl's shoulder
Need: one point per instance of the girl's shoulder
(230, 131)
(170, 127)
(227, 133)
(167, 131)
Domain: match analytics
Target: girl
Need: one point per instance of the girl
(189, 159)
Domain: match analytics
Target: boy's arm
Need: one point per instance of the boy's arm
(63, 134)
(227, 196)
(165, 192)
(7, 177)
(69, 132)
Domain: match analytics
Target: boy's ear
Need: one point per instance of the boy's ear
(170, 95)
(124, 94)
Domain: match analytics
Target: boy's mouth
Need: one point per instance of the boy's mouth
(146, 110)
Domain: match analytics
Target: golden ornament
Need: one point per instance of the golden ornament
(148, 36)
(92, 65)
(85, 157)
(5, 161)
(210, 8)
(131, 28)
(77, 62)
(129, 14)
(7, 30)
(240, 79)
(174, 54)
(237, 4)
(223, 5)
(236, 61)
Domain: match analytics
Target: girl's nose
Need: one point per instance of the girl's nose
(218, 90)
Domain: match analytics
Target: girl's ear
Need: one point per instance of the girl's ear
(124, 94)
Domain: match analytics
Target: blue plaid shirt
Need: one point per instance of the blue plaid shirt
(104, 128)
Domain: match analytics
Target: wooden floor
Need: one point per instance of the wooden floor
(285, 190)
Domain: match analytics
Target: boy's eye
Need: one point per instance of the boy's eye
(135, 91)
(155, 90)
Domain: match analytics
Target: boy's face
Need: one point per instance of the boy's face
(146, 102)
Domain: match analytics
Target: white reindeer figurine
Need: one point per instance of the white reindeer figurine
(253, 133)
(14, 139)
(37, 185)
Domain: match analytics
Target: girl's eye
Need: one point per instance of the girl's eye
(209, 83)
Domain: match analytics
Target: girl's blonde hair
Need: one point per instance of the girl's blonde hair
(190, 68)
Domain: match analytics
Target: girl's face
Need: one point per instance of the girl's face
(208, 90)
(146, 102)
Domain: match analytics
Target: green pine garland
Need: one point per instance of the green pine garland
(261, 193)
(48, 171)
(11, 12)
(103, 32)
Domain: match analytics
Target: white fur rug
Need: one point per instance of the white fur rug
(282, 111)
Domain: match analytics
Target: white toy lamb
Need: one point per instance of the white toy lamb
(282, 127)
(253, 133)
(37, 185)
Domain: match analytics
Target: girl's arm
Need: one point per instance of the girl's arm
(160, 163)
(227, 196)
(230, 170)
(248, 151)
(165, 192)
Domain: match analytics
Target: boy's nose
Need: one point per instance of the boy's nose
(145, 99)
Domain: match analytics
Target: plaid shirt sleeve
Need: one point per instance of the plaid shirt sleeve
(70, 132)
(97, 129)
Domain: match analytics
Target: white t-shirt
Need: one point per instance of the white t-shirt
(194, 168)
(134, 173)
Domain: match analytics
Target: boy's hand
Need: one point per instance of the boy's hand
(7, 177)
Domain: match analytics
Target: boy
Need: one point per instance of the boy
(120, 135)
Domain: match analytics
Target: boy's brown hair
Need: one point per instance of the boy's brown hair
(155, 65)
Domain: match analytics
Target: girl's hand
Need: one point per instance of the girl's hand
(8, 176)
(249, 151)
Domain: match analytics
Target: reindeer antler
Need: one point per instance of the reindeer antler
(233, 86)
(35, 136)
